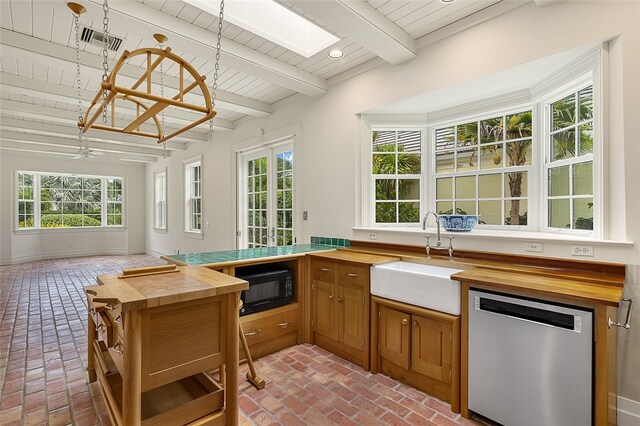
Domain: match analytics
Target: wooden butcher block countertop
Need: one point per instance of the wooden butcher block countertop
(148, 287)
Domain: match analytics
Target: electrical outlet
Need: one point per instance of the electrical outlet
(533, 246)
(373, 236)
(305, 215)
(582, 251)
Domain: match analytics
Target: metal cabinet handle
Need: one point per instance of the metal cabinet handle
(100, 328)
(285, 324)
(405, 321)
(325, 269)
(350, 274)
(118, 319)
(118, 345)
(340, 299)
(108, 306)
(252, 333)
(330, 296)
(626, 325)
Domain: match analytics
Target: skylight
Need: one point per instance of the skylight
(274, 22)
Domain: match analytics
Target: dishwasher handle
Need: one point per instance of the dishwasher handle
(529, 313)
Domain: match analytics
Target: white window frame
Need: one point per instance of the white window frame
(160, 196)
(595, 157)
(532, 169)
(188, 166)
(37, 203)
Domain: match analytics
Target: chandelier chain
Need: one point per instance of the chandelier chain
(76, 21)
(164, 132)
(105, 57)
(216, 68)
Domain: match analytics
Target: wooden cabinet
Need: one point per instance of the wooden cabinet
(418, 346)
(340, 309)
(270, 331)
(339, 302)
(153, 335)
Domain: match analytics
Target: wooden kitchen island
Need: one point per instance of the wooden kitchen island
(155, 334)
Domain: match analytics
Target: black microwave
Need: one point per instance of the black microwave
(270, 286)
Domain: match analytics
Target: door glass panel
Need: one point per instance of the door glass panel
(256, 170)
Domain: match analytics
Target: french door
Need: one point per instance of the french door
(265, 202)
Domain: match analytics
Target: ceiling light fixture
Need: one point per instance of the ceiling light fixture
(274, 22)
(335, 54)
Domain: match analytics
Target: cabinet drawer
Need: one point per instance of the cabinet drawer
(270, 327)
(323, 271)
(352, 275)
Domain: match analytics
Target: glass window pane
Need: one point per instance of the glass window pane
(466, 159)
(563, 145)
(583, 213)
(263, 200)
(444, 188)
(386, 212)
(490, 186)
(384, 164)
(280, 161)
(583, 178)
(519, 125)
(288, 199)
(515, 212)
(250, 184)
(385, 189)
(491, 130)
(491, 156)
(444, 162)
(559, 181)
(288, 160)
(468, 134)
(250, 168)
(408, 164)
(444, 207)
(563, 112)
(465, 207)
(490, 212)
(288, 219)
(519, 153)
(586, 139)
(466, 187)
(408, 189)
(559, 213)
(288, 180)
(516, 184)
(585, 99)
(408, 212)
(409, 141)
(384, 141)
(445, 138)
(288, 236)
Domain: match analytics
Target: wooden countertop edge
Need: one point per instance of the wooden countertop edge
(543, 286)
(356, 257)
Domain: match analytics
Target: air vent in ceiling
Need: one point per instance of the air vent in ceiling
(96, 38)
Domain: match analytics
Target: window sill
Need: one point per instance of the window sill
(198, 235)
(513, 235)
(71, 230)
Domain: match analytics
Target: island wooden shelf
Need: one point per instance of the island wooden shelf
(154, 334)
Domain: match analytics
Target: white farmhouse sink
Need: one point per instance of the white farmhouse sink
(417, 284)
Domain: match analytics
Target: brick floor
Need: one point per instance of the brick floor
(43, 353)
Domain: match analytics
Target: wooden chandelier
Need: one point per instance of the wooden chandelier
(147, 105)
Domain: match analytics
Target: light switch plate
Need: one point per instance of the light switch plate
(533, 246)
(582, 251)
(373, 236)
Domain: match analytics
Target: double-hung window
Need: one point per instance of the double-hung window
(52, 200)
(161, 200)
(569, 161)
(482, 167)
(193, 195)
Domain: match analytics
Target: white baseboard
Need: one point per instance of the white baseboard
(155, 253)
(628, 412)
(68, 253)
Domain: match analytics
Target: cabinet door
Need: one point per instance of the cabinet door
(394, 336)
(325, 309)
(351, 317)
(431, 348)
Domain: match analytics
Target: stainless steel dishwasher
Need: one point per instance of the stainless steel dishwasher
(530, 361)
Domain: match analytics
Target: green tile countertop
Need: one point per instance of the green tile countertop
(242, 255)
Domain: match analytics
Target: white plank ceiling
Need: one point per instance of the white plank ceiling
(38, 97)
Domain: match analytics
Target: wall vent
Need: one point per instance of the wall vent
(89, 35)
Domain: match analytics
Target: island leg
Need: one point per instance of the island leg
(132, 377)
(91, 338)
(232, 359)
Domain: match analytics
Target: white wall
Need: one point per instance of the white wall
(328, 158)
(20, 246)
